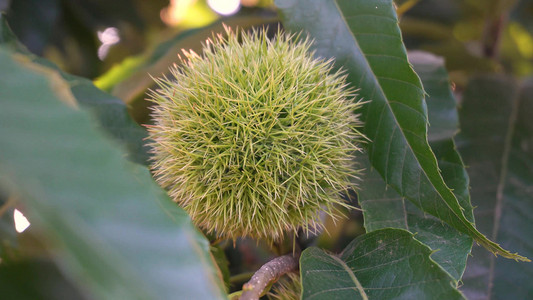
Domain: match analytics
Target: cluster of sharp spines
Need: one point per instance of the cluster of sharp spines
(257, 153)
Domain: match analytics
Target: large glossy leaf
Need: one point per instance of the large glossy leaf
(364, 38)
(110, 227)
(383, 207)
(384, 264)
(496, 142)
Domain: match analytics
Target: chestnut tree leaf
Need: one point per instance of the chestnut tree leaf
(383, 207)
(364, 38)
(111, 229)
(110, 112)
(383, 264)
(496, 142)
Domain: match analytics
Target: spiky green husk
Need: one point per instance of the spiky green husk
(255, 137)
(288, 287)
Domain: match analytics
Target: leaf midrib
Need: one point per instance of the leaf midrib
(502, 180)
(343, 18)
(352, 276)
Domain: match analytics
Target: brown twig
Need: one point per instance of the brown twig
(269, 272)
(492, 35)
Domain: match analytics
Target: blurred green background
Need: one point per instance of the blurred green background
(118, 43)
(89, 37)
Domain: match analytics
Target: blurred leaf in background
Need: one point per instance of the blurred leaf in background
(67, 31)
(110, 111)
(87, 37)
(131, 79)
(496, 143)
(106, 223)
(473, 36)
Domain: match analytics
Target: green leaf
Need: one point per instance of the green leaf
(383, 207)
(364, 38)
(7, 37)
(223, 264)
(111, 112)
(36, 279)
(496, 142)
(112, 116)
(114, 232)
(384, 264)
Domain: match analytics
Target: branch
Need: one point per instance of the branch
(269, 272)
(492, 35)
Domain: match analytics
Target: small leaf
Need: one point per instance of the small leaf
(364, 38)
(384, 264)
(114, 232)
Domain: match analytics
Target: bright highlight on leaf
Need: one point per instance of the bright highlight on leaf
(255, 137)
(225, 7)
(21, 223)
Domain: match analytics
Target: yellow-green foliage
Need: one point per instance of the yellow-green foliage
(255, 137)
